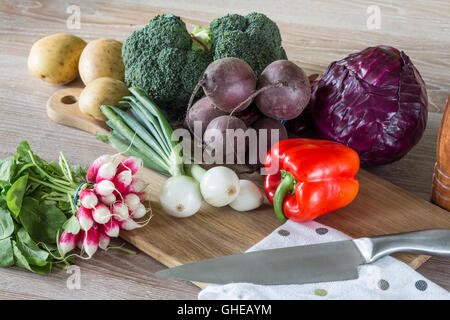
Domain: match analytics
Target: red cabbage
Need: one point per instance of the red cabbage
(373, 101)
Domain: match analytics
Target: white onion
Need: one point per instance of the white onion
(219, 186)
(180, 196)
(249, 198)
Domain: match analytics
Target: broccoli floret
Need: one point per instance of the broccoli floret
(230, 22)
(196, 63)
(254, 38)
(235, 44)
(160, 60)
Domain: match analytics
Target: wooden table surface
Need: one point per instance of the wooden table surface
(315, 33)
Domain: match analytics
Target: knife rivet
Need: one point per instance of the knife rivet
(421, 285)
(383, 284)
(321, 231)
(283, 233)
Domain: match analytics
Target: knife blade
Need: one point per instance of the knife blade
(332, 261)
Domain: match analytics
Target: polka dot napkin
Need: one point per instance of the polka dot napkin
(387, 278)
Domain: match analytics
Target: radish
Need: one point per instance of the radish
(107, 171)
(111, 228)
(128, 224)
(122, 181)
(88, 198)
(67, 242)
(139, 212)
(108, 199)
(120, 211)
(84, 216)
(101, 214)
(132, 201)
(90, 241)
(130, 164)
(104, 188)
(80, 239)
(103, 239)
(95, 165)
(137, 185)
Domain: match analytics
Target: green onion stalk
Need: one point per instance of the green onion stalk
(140, 129)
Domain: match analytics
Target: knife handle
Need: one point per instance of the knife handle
(435, 242)
(440, 192)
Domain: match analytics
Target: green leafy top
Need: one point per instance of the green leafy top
(35, 205)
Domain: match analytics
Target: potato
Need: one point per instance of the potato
(101, 91)
(102, 58)
(55, 58)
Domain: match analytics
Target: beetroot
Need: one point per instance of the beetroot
(286, 102)
(223, 135)
(228, 82)
(264, 127)
(204, 111)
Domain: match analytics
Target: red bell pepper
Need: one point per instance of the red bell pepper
(311, 178)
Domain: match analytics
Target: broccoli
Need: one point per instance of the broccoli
(161, 60)
(254, 38)
(165, 61)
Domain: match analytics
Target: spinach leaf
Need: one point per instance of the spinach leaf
(6, 253)
(21, 261)
(15, 194)
(22, 152)
(6, 224)
(42, 221)
(72, 225)
(7, 168)
(30, 250)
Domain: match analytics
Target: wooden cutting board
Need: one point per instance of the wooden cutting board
(379, 208)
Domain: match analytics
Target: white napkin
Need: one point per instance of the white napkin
(387, 278)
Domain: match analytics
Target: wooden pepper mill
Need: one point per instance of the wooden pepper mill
(440, 193)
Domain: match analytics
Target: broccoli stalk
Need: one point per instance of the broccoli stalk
(202, 38)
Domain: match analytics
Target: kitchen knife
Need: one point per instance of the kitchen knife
(332, 261)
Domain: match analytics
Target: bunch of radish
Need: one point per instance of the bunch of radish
(112, 199)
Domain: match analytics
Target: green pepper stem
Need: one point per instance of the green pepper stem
(286, 185)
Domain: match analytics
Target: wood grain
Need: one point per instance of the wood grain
(440, 193)
(314, 34)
